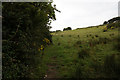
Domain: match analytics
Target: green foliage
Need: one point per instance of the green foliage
(112, 24)
(105, 23)
(58, 30)
(25, 29)
(68, 28)
(114, 19)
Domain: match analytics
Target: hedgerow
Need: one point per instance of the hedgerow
(25, 34)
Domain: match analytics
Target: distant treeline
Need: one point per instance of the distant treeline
(65, 29)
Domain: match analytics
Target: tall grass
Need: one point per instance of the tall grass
(112, 65)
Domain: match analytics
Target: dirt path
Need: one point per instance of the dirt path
(52, 72)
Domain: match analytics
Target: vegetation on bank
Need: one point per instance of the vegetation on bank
(25, 32)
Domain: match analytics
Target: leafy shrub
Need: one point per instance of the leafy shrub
(114, 19)
(58, 30)
(68, 28)
(23, 35)
(113, 25)
(105, 23)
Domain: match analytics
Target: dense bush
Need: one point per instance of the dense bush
(58, 30)
(25, 34)
(114, 19)
(105, 23)
(68, 28)
(112, 23)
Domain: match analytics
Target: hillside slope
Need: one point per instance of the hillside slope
(84, 53)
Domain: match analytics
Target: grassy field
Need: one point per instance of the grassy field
(83, 53)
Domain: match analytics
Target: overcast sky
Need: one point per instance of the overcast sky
(83, 13)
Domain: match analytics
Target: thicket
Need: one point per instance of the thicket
(25, 34)
(112, 23)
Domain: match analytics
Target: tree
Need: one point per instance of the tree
(58, 30)
(68, 28)
(105, 23)
(114, 19)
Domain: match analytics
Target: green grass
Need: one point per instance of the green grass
(68, 48)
